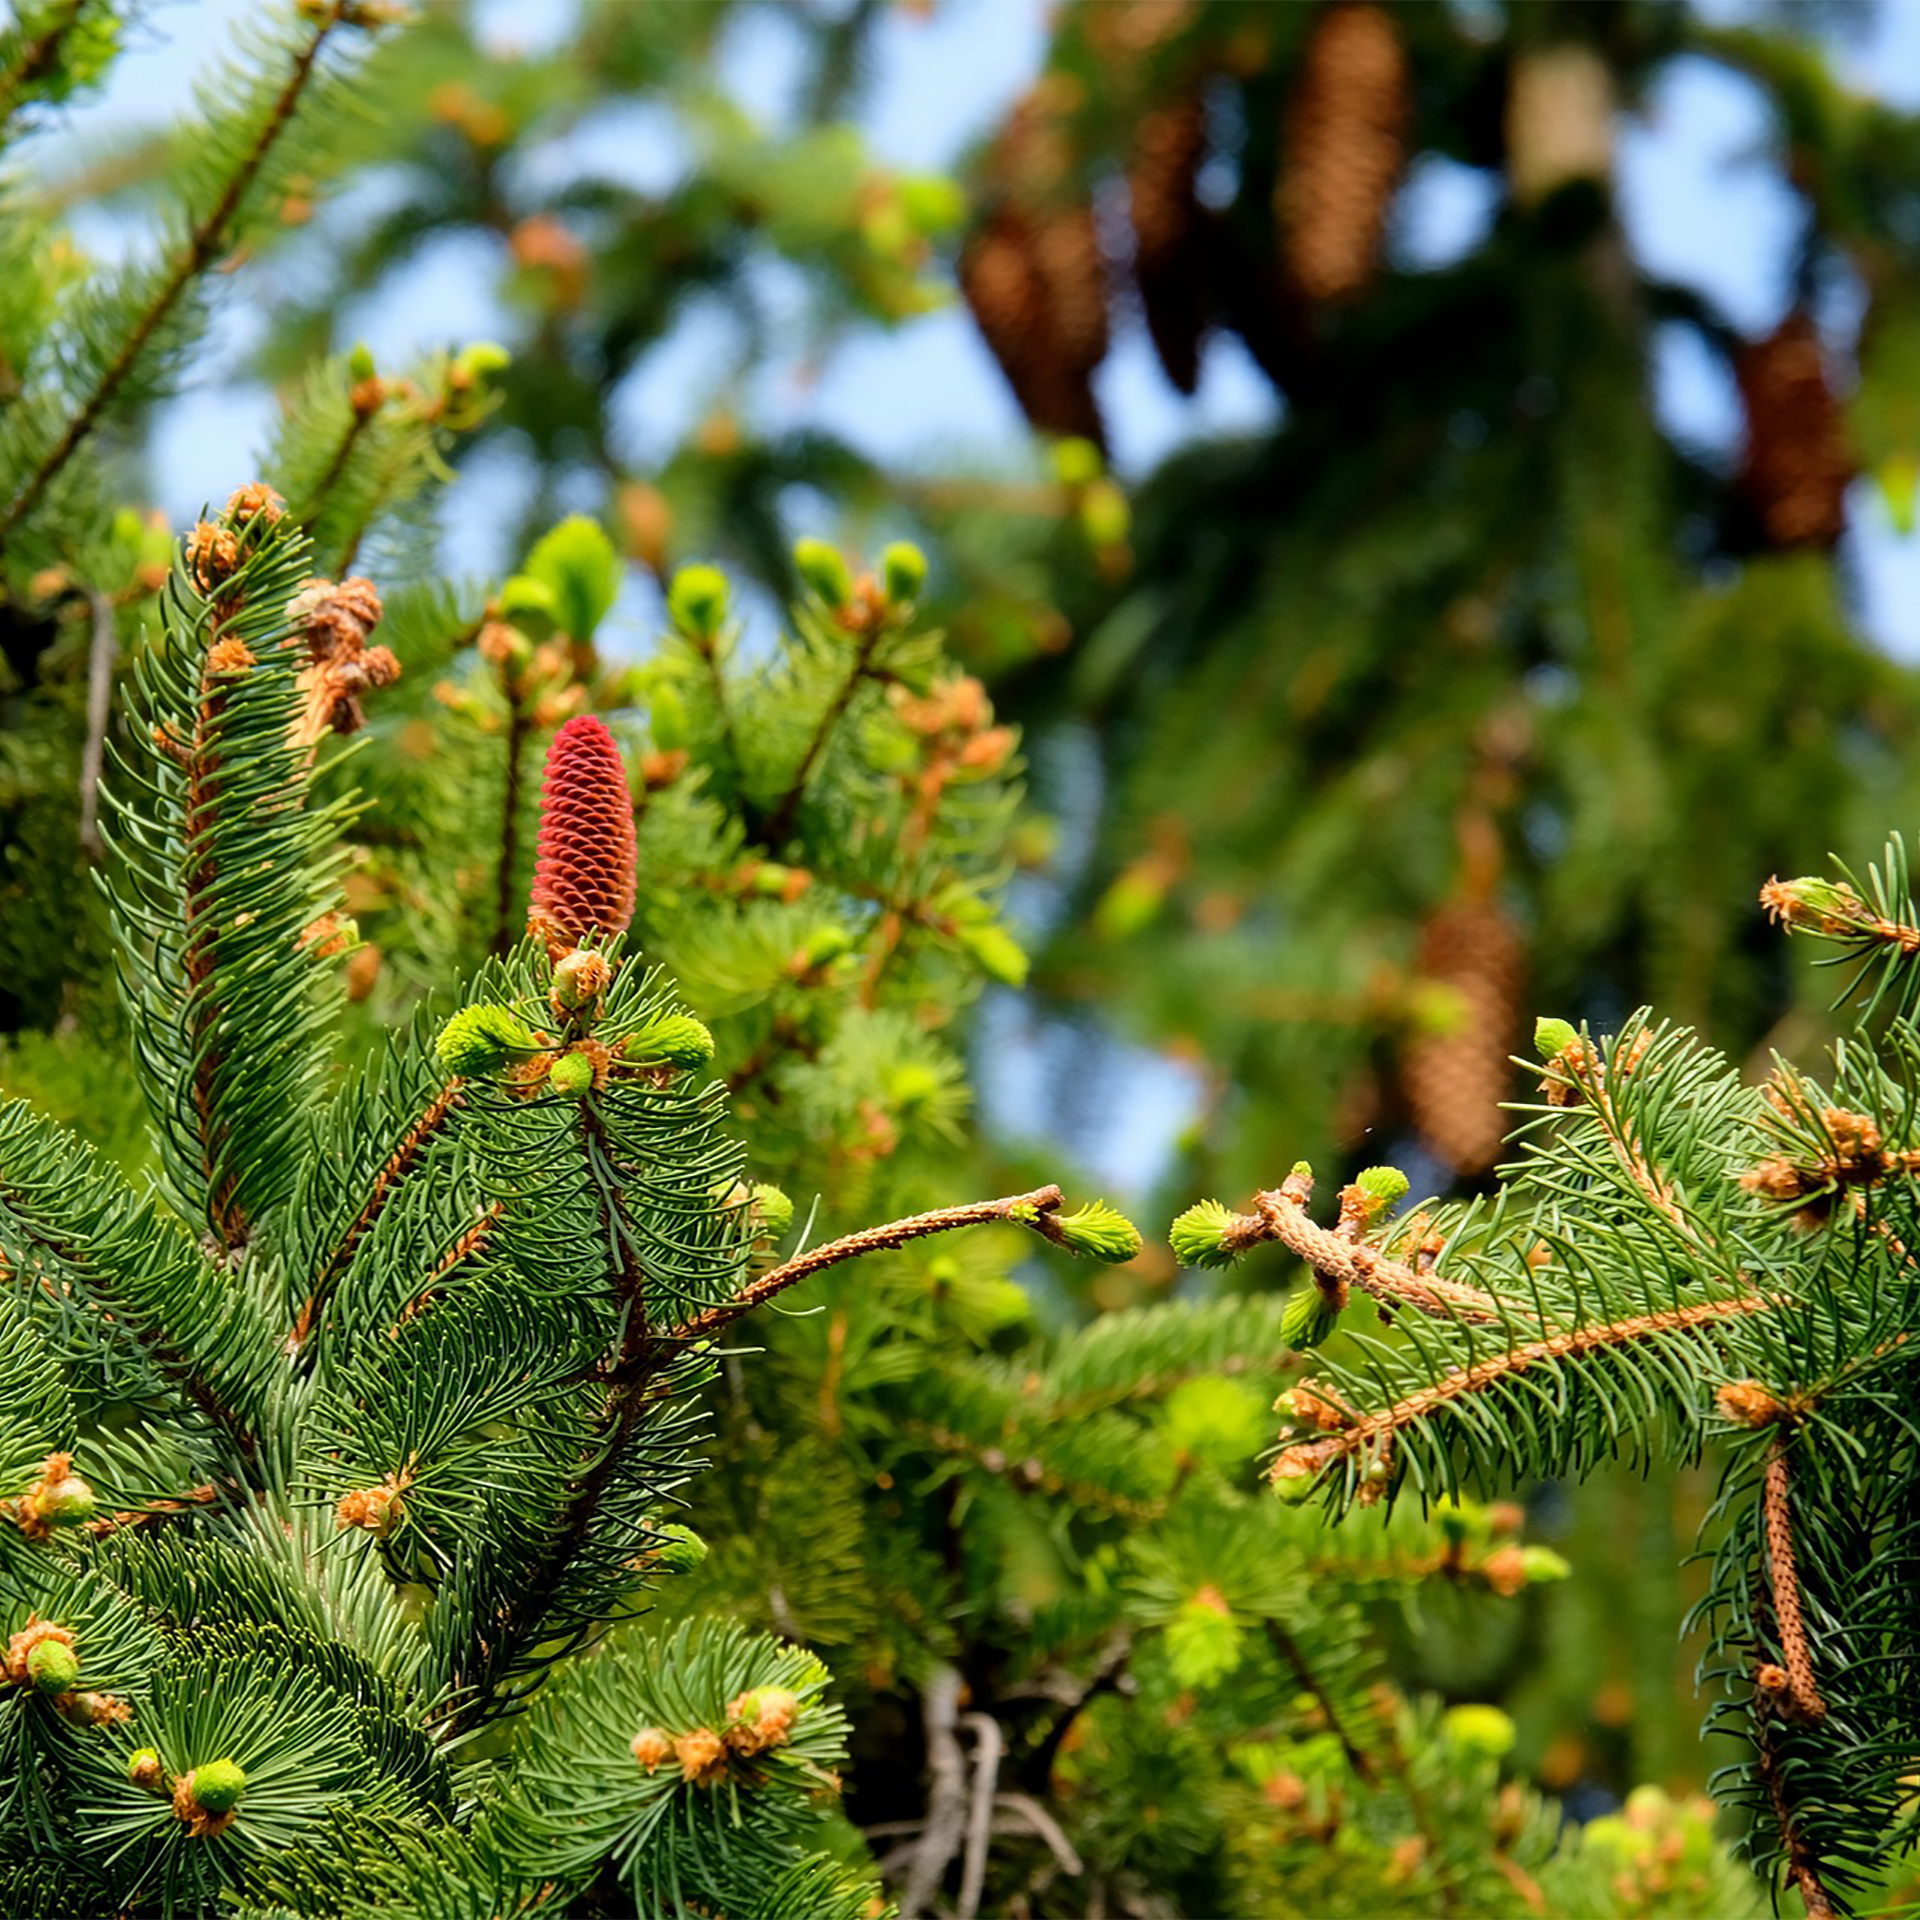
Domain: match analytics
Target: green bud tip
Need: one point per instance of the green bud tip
(1479, 1729)
(1076, 462)
(823, 571)
(68, 1503)
(697, 600)
(217, 1786)
(903, 572)
(1542, 1563)
(826, 944)
(51, 1667)
(912, 1084)
(1099, 1232)
(1551, 1038)
(1384, 1187)
(571, 1075)
(1199, 1236)
(1308, 1318)
(680, 1549)
(1301, 1170)
(483, 357)
(360, 363)
(144, 1768)
(772, 1210)
(677, 1038)
(481, 1040)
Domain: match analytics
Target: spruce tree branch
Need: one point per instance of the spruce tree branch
(1042, 1202)
(1282, 1216)
(1801, 1696)
(1803, 1864)
(505, 933)
(1036, 1770)
(400, 1163)
(1288, 1648)
(203, 246)
(36, 60)
(1370, 1429)
(780, 821)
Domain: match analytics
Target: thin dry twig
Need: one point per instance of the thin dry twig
(1801, 1696)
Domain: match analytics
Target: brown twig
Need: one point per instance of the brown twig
(1803, 1864)
(159, 1510)
(1288, 1648)
(946, 1826)
(203, 244)
(1369, 1430)
(102, 651)
(1801, 1696)
(1041, 1203)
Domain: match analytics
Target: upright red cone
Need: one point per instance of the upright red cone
(583, 879)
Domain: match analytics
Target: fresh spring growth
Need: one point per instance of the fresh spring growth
(680, 1549)
(1310, 1317)
(480, 1040)
(52, 1667)
(571, 1075)
(823, 571)
(677, 1038)
(903, 572)
(1480, 1730)
(1384, 1187)
(697, 601)
(1099, 1232)
(1551, 1038)
(772, 1210)
(218, 1786)
(1199, 1236)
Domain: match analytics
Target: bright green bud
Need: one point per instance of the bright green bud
(1105, 517)
(360, 364)
(1384, 1187)
(1308, 1318)
(52, 1668)
(68, 1502)
(571, 1075)
(912, 1084)
(1301, 1170)
(1076, 462)
(1479, 1730)
(1542, 1563)
(772, 879)
(823, 571)
(1551, 1038)
(680, 1549)
(217, 1787)
(482, 1039)
(697, 600)
(823, 946)
(1293, 1479)
(1199, 1236)
(995, 951)
(931, 202)
(677, 1038)
(772, 1210)
(483, 357)
(1099, 1232)
(667, 717)
(144, 1769)
(903, 572)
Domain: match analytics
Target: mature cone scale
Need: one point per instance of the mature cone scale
(1342, 150)
(584, 875)
(1169, 233)
(1797, 467)
(1033, 274)
(1455, 1080)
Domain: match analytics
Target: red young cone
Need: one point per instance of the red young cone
(584, 877)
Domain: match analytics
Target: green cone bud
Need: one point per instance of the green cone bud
(1479, 1729)
(360, 364)
(52, 1668)
(823, 571)
(1384, 1187)
(483, 357)
(667, 717)
(677, 1038)
(697, 601)
(1076, 462)
(571, 1075)
(903, 572)
(1308, 1317)
(1199, 1236)
(680, 1549)
(995, 952)
(68, 1503)
(772, 1210)
(1551, 1038)
(144, 1769)
(1099, 1232)
(824, 945)
(217, 1787)
(1542, 1563)
(481, 1040)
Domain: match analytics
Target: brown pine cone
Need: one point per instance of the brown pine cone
(1455, 1080)
(1032, 272)
(1169, 233)
(1342, 150)
(1797, 465)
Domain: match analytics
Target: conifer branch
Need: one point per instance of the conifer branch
(1337, 1260)
(1801, 1695)
(1367, 1431)
(1042, 1202)
(203, 246)
(1804, 1867)
(1289, 1650)
(780, 821)
(37, 59)
(400, 1163)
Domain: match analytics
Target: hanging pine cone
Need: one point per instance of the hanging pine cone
(1797, 466)
(1033, 274)
(1342, 149)
(1169, 233)
(1456, 1079)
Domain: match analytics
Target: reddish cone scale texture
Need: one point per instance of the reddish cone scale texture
(584, 876)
